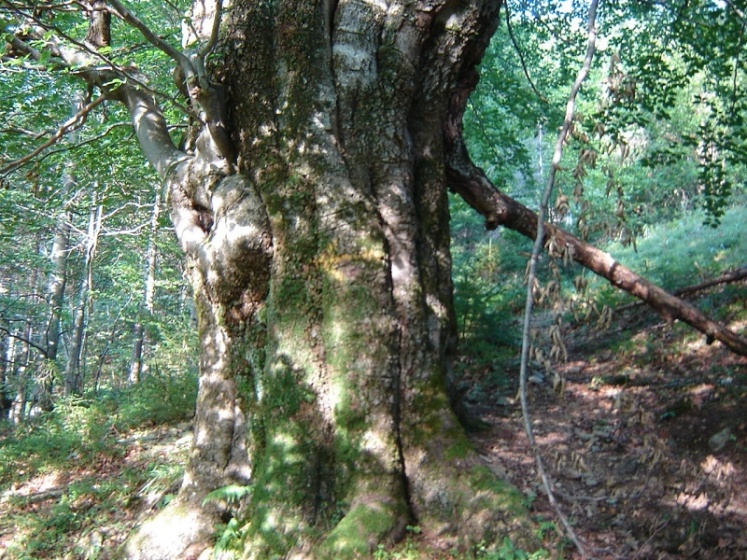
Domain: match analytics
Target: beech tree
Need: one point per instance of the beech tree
(310, 200)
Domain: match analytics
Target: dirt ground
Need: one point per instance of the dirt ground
(646, 445)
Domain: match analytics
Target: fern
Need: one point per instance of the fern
(231, 494)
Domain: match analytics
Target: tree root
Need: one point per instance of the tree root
(181, 530)
(370, 521)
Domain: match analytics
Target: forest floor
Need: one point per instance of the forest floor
(86, 510)
(646, 446)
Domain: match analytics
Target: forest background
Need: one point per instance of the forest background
(97, 325)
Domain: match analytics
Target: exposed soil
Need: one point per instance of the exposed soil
(646, 444)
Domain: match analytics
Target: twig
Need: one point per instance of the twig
(740, 13)
(538, 242)
(515, 43)
(659, 528)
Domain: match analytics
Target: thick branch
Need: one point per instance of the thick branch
(499, 209)
(208, 96)
(99, 25)
(130, 18)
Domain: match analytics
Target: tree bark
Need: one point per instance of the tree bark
(322, 279)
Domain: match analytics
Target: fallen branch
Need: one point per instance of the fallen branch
(475, 188)
(725, 278)
(499, 209)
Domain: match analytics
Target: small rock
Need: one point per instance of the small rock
(719, 440)
(537, 379)
(627, 467)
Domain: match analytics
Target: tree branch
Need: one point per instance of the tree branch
(210, 45)
(725, 278)
(41, 349)
(518, 50)
(179, 57)
(69, 125)
(475, 188)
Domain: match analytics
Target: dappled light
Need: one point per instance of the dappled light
(632, 443)
(266, 288)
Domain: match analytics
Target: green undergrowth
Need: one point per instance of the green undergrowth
(415, 546)
(678, 254)
(73, 480)
(79, 429)
(490, 295)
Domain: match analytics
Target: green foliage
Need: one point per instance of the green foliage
(79, 443)
(82, 428)
(488, 282)
(679, 253)
(229, 540)
(507, 551)
(233, 493)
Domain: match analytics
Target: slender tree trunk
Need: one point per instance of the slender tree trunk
(73, 376)
(6, 400)
(149, 291)
(23, 376)
(47, 370)
(56, 284)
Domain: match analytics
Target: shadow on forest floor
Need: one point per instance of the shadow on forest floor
(647, 445)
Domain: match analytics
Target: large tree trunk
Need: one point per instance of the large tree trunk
(322, 277)
(311, 205)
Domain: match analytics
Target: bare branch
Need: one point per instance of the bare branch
(740, 13)
(515, 43)
(85, 142)
(11, 334)
(76, 58)
(536, 249)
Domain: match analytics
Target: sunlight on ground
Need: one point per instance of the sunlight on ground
(38, 484)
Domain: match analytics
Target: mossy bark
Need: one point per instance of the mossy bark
(332, 340)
